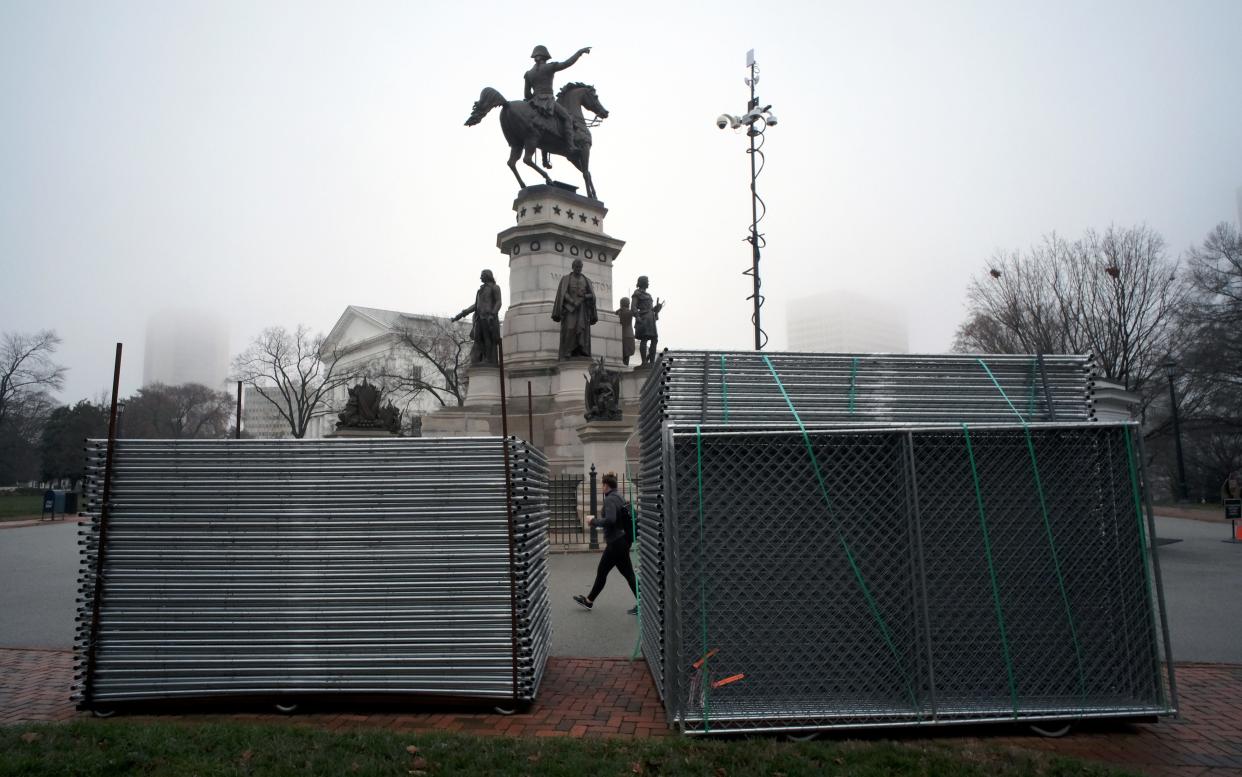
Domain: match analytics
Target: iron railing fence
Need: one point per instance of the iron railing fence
(570, 499)
(882, 394)
(278, 569)
(898, 577)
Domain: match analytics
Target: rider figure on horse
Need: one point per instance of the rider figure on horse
(539, 91)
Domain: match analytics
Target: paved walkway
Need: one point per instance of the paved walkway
(610, 697)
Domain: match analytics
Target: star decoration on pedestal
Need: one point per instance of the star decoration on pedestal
(569, 213)
(556, 209)
(583, 217)
(522, 212)
(538, 208)
(595, 220)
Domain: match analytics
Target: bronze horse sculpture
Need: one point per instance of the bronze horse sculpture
(526, 130)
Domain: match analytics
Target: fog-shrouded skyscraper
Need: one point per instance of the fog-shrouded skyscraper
(846, 322)
(186, 346)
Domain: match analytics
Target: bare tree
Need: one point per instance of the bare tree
(184, 411)
(27, 376)
(431, 357)
(1207, 362)
(1215, 317)
(26, 367)
(293, 372)
(1020, 304)
(1115, 295)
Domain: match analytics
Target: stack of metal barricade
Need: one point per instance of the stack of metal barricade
(839, 541)
(285, 569)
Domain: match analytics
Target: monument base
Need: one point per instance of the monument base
(603, 444)
(353, 434)
(483, 385)
(462, 422)
(571, 378)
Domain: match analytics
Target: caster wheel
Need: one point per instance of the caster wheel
(103, 713)
(286, 709)
(805, 737)
(1052, 730)
(504, 710)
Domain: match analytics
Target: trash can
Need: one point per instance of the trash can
(71, 502)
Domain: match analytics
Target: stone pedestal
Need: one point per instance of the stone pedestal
(603, 444)
(571, 377)
(460, 422)
(483, 387)
(354, 434)
(632, 387)
(555, 227)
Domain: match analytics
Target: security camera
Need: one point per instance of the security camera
(771, 119)
(751, 118)
(726, 120)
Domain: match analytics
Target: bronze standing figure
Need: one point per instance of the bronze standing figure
(626, 317)
(554, 126)
(646, 313)
(485, 328)
(574, 309)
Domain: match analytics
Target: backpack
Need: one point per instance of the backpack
(625, 518)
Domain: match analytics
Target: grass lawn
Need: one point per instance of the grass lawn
(120, 747)
(21, 504)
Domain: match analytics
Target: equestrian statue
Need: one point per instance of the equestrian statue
(552, 125)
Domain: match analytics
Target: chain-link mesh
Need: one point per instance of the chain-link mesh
(903, 577)
(271, 568)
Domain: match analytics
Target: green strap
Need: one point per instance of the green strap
(853, 382)
(703, 673)
(1052, 545)
(1142, 530)
(987, 550)
(636, 555)
(1056, 565)
(849, 554)
(1004, 396)
(724, 387)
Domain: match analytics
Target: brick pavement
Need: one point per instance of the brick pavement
(35, 685)
(610, 697)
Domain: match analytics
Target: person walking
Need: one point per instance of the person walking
(615, 521)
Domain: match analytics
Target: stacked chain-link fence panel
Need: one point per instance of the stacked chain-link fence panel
(908, 573)
(277, 569)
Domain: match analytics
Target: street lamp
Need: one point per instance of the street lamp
(120, 417)
(756, 119)
(1170, 369)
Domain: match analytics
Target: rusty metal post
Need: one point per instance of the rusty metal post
(88, 682)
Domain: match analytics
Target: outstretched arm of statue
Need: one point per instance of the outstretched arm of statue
(464, 313)
(569, 62)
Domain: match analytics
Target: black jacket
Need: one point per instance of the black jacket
(614, 519)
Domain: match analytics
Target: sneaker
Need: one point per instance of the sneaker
(632, 611)
(580, 599)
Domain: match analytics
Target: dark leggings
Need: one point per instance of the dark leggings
(617, 554)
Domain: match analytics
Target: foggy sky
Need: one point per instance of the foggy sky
(277, 161)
